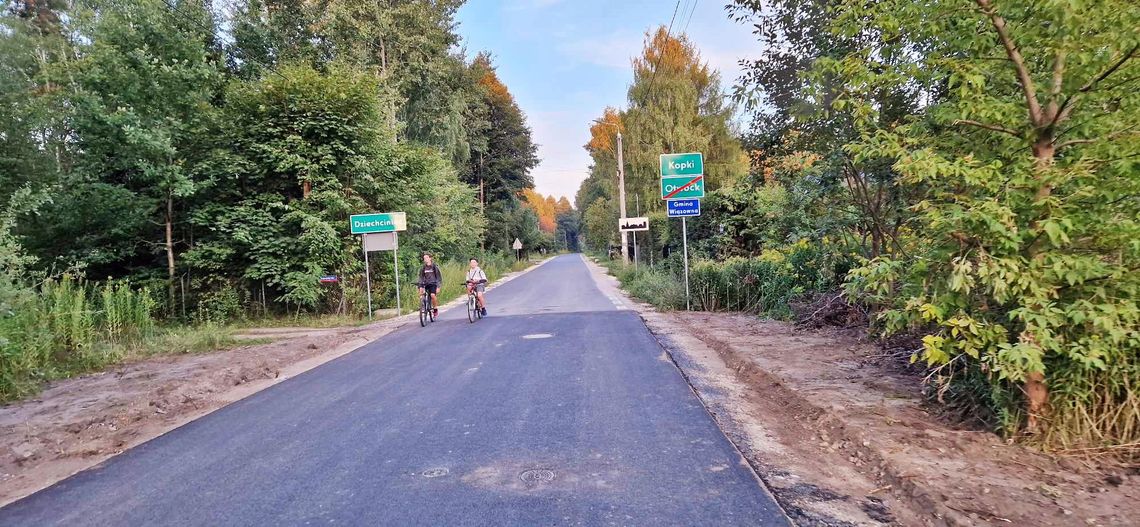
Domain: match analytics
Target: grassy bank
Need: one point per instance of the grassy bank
(70, 327)
(765, 284)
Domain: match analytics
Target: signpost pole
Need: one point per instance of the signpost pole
(621, 199)
(367, 276)
(636, 255)
(685, 243)
(396, 266)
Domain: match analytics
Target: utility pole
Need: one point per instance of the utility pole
(621, 199)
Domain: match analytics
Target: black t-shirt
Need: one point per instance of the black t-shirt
(429, 274)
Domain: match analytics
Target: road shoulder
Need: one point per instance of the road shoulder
(843, 439)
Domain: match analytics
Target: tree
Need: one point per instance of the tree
(676, 105)
(143, 94)
(307, 150)
(1024, 260)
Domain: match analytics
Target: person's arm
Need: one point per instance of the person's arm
(483, 276)
(438, 274)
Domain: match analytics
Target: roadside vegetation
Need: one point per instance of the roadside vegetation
(170, 170)
(964, 172)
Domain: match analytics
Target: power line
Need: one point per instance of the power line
(690, 19)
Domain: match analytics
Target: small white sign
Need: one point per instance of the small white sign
(517, 245)
(633, 224)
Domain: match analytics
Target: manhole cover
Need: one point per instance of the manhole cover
(435, 472)
(538, 336)
(537, 475)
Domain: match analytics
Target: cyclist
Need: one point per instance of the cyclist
(430, 278)
(478, 279)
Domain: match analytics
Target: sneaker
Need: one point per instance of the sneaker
(484, 311)
(435, 312)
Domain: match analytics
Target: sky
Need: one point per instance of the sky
(566, 60)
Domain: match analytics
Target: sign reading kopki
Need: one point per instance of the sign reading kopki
(691, 164)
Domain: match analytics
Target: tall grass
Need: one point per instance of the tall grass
(68, 327)
(764, 284)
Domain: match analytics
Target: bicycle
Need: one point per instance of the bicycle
(474, 308)
(427, 312)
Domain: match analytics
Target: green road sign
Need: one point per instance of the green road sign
(682, 187)
(692, 164)
(385, 222)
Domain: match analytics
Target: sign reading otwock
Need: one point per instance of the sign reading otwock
(682, 176)
(633, 224)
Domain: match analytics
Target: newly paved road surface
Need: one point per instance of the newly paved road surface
(558, 409)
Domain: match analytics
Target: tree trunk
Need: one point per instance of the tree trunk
(1036, 391)
(170, 246)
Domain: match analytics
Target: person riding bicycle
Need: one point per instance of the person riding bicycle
(477, 279)
(430, 278)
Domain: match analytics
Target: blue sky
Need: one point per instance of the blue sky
(566, 60)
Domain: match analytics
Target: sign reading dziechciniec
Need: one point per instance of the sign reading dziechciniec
(691, 164)
(383, 222)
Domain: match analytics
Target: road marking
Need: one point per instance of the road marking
(538, 336)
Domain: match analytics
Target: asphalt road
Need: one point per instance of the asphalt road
(558, 409)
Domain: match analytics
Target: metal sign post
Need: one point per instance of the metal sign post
(685, 243)
(682, 186)
(379, 232)
(396, 266)
(367, 275)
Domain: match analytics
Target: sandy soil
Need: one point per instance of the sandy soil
(77, 423)
(843, 439)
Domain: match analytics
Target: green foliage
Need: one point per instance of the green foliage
(1024, 252)
(768, 283)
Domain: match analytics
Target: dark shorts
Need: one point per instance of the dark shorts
(431, 288)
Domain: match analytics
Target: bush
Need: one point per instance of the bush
(656, 285)
(768, 283)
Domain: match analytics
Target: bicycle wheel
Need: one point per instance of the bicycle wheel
(423, 313)
(471, 308)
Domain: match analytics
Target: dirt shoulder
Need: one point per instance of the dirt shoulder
(842, 438)
(77, 423)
